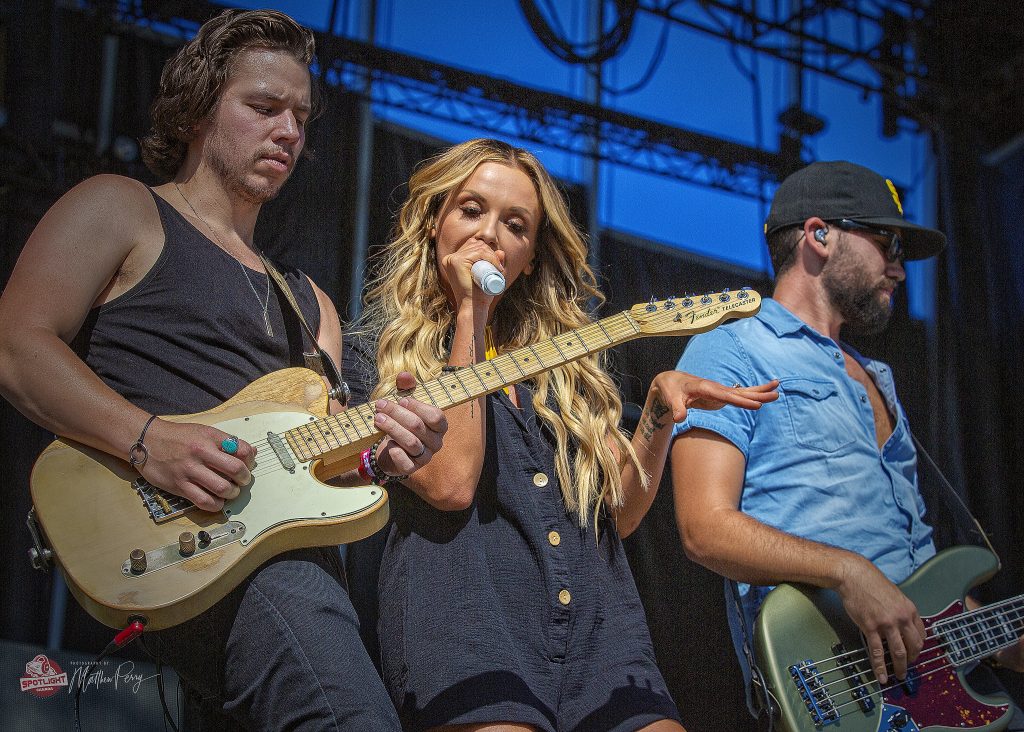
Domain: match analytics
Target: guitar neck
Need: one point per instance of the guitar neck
(979, 633)
(355, 425)
(340, 436)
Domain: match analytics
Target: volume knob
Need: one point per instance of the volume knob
(137, 561)
(899, 720)
(187, 543)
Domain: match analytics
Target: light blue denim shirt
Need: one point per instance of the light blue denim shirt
(813, 467)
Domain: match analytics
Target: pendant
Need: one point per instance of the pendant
(266, 322)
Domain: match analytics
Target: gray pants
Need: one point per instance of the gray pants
(280, 652)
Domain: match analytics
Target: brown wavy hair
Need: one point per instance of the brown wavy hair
(408, 315)
(192, 79)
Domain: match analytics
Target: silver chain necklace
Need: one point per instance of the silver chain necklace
(265, 304)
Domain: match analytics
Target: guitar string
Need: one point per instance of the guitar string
(881, 693)
(618, 325)
(920, 666)
(939, 625)
(864, 685)
(621, 327)
(976, 625)
(942, 655)
(852, 657)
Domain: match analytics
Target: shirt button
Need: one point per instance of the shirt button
(554, 539)
(863, 399)
(540, 480)
(837, 355)
(564, 597)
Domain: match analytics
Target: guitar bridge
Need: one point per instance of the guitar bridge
(814, 693)
(162, 506)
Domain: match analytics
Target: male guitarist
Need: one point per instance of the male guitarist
(821, 486)
(140, 302)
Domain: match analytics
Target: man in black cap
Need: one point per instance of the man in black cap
(819, 487)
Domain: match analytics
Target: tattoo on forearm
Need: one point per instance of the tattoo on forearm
(649, 420)
(472, 359)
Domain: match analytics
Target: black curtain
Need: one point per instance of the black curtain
(976, 426)
(979, 432)
(685, 603)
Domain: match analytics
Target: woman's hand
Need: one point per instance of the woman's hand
(456, 270)
(677, 391)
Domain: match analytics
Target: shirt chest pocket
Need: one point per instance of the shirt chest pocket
(820, 419)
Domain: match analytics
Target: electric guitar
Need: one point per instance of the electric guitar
(131, 550)
(817, 668)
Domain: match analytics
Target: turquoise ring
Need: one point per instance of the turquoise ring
(229, 445)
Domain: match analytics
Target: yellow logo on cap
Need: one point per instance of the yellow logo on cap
(895, 195)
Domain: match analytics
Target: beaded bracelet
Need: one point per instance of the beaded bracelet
(380, 477)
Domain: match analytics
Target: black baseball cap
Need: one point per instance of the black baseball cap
(833, 190)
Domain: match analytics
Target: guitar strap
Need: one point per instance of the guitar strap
(318, 361)
(761, 703)
(952, 491)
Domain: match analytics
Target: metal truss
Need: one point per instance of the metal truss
(401, 81)
(872, 49)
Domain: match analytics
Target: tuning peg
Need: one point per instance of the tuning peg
(687, 302)
(743, 294)
(724, 296)
(670, 302)
(706, 300)
(651, 307)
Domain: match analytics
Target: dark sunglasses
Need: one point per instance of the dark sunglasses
(893, 251)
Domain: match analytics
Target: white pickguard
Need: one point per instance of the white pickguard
(276, 496)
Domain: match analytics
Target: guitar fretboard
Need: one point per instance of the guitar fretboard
(980, 633)
(317, 438)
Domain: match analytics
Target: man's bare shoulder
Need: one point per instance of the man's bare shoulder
(108, 211)
(107, 192)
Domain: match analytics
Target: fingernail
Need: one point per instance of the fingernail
(380, 404)
(404, 401)
(379, 419)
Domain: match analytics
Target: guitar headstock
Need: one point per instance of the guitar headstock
(694, 313)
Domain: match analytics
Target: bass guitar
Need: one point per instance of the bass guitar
(130, 550)
(817, 668)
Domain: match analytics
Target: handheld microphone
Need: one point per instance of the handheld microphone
(488, 278)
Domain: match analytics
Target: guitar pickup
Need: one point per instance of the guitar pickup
(912, 682)
(281, 450)
(858, 687)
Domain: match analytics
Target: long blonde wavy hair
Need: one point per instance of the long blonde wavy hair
(409, 316)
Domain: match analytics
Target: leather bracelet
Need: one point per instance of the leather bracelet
(138, 454)
(380, 477)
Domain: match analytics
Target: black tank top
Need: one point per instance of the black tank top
(191, 333)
